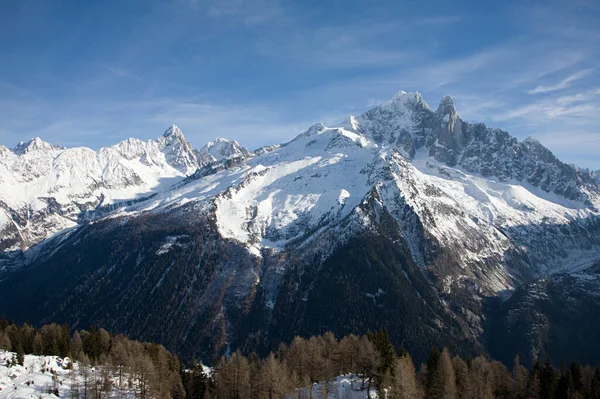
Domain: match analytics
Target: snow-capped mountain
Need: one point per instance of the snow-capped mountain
(402, 207)
(46, 188)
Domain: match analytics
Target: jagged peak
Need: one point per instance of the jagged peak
(220, 140)
(173, 132)
(531, 140)
(447, 107)
(222, 148)
(35, 144)
(407, 97)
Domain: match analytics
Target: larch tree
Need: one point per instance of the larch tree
(441, 380)
(232, 377)
(404, 382)
(480, 372)
(5, 341)
(273, 379)
(464, 385)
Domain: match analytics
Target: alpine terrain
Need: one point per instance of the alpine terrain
(405, 218)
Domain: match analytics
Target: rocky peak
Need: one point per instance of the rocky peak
(221, 149)
(173, 132)
(447, 107)
(405, 98)
(596, 175)
(35, 144)
(178, 151)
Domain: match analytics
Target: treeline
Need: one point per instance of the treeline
(294, 368)
(149, 371)
(106, 362)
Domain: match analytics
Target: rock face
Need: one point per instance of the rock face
(550, 317)
(402, 218)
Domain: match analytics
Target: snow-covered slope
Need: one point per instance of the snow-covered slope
(43, 376)
(46, 188)
(480, 204)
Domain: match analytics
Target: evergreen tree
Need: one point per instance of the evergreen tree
(194, 380)
(20, 354)
(594, 392)
(576, 377)
(548, 381)
(381, 342)
(564, 387)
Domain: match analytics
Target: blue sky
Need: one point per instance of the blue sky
(88, 72)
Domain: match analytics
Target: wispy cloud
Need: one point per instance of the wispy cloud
(123, 73)
(563, 84)
(248, 12)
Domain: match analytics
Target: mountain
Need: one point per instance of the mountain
(46, 188)
(403, 218)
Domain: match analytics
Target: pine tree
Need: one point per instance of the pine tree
(195, 381)
(595, 385)
(20, 354)
(564, 387)
(384, 347)
(548, 381)
(576, 377)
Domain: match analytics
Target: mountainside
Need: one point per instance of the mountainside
(403, 218)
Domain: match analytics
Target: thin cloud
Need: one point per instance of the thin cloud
(563, 84)
(123, 73)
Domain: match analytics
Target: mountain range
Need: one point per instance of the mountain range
(404, 218)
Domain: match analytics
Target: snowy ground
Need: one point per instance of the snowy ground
(35, 378)
(341, 387)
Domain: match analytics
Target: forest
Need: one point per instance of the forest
(147, 370)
